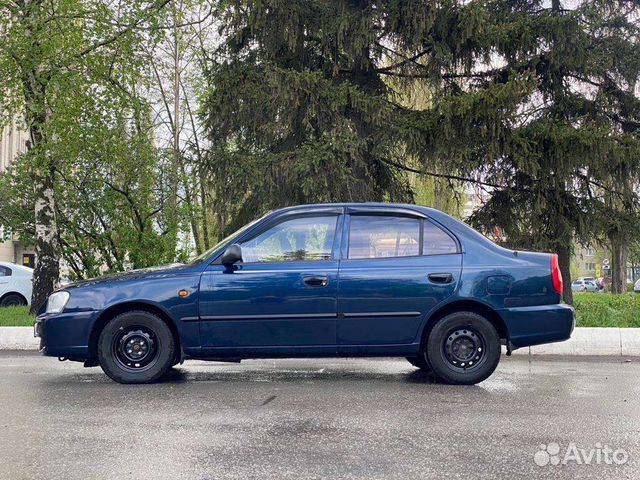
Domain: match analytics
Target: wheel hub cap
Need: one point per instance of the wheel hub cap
(135, 349)
(464, 348)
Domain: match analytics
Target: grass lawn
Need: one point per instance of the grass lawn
(15, 317)
(607, 309)
(593, 310)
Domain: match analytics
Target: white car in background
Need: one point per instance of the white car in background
(636, 286)
(584, 286)
(16, 284)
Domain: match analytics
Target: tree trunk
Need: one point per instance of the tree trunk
(47, 271)
(564, 261)
(619, 254)
(174, 170)
(37, 115)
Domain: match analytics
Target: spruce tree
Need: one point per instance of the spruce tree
(570, 159)
(534, 102)
(308, 101)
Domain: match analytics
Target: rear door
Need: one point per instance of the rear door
(396, 266)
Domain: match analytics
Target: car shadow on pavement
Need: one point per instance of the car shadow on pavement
(179, 375)
(261, 372)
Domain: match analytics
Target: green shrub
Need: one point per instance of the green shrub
(15, 317)
(607, 309)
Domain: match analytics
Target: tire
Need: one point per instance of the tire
(420, 362)
(463, 348)
(136, 347)
(13, 300)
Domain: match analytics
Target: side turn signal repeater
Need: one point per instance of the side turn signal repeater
(183, 293)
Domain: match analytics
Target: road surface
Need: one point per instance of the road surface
(324, 418)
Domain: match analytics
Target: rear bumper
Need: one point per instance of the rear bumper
(539, 324)
(65, 334)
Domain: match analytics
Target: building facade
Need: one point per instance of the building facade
(13, 142)
(587, 262)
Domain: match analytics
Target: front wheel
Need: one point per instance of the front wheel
(136, 347)
(463, 348)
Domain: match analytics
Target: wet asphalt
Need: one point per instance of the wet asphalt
(324, 418)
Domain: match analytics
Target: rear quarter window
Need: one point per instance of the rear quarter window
(436, 241)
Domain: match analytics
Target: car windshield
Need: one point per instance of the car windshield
(205, 255)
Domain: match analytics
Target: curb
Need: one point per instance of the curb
(588, 341)
(619, 342)
(18, 338)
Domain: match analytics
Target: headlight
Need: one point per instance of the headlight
(57, 301)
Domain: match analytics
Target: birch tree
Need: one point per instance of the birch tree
(49, 53)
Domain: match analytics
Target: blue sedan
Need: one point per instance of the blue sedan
(319, 281)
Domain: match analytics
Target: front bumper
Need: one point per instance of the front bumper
(536, 325)
(65, 334)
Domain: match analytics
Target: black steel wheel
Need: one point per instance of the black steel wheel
(13, 300)
(463, 348)
(136, 347)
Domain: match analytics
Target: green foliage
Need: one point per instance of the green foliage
(307, 103)
(315, 101)
(74, 73)
(607, 310)
(570, 157)
(328, 101)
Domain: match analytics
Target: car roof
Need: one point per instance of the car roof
(428, 211)
(358, 204)
(16, 267)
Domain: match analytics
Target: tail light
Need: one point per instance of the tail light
(556, 275)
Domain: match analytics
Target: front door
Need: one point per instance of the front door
(282, 298)
(397, 268)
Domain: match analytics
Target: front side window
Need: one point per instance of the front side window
(5, 271)
(298, 239)
(377, 236)
(436, 241)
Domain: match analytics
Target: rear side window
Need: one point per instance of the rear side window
(436, 241)
(378, 236)
(5, 271)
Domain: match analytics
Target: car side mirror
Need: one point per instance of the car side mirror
(233, 254)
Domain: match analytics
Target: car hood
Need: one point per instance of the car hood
(172, 269)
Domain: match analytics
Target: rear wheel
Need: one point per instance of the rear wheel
(13, 300)
(136, 347)
(463, 348)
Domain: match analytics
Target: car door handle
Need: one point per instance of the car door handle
(440, 277)
(316, 281)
